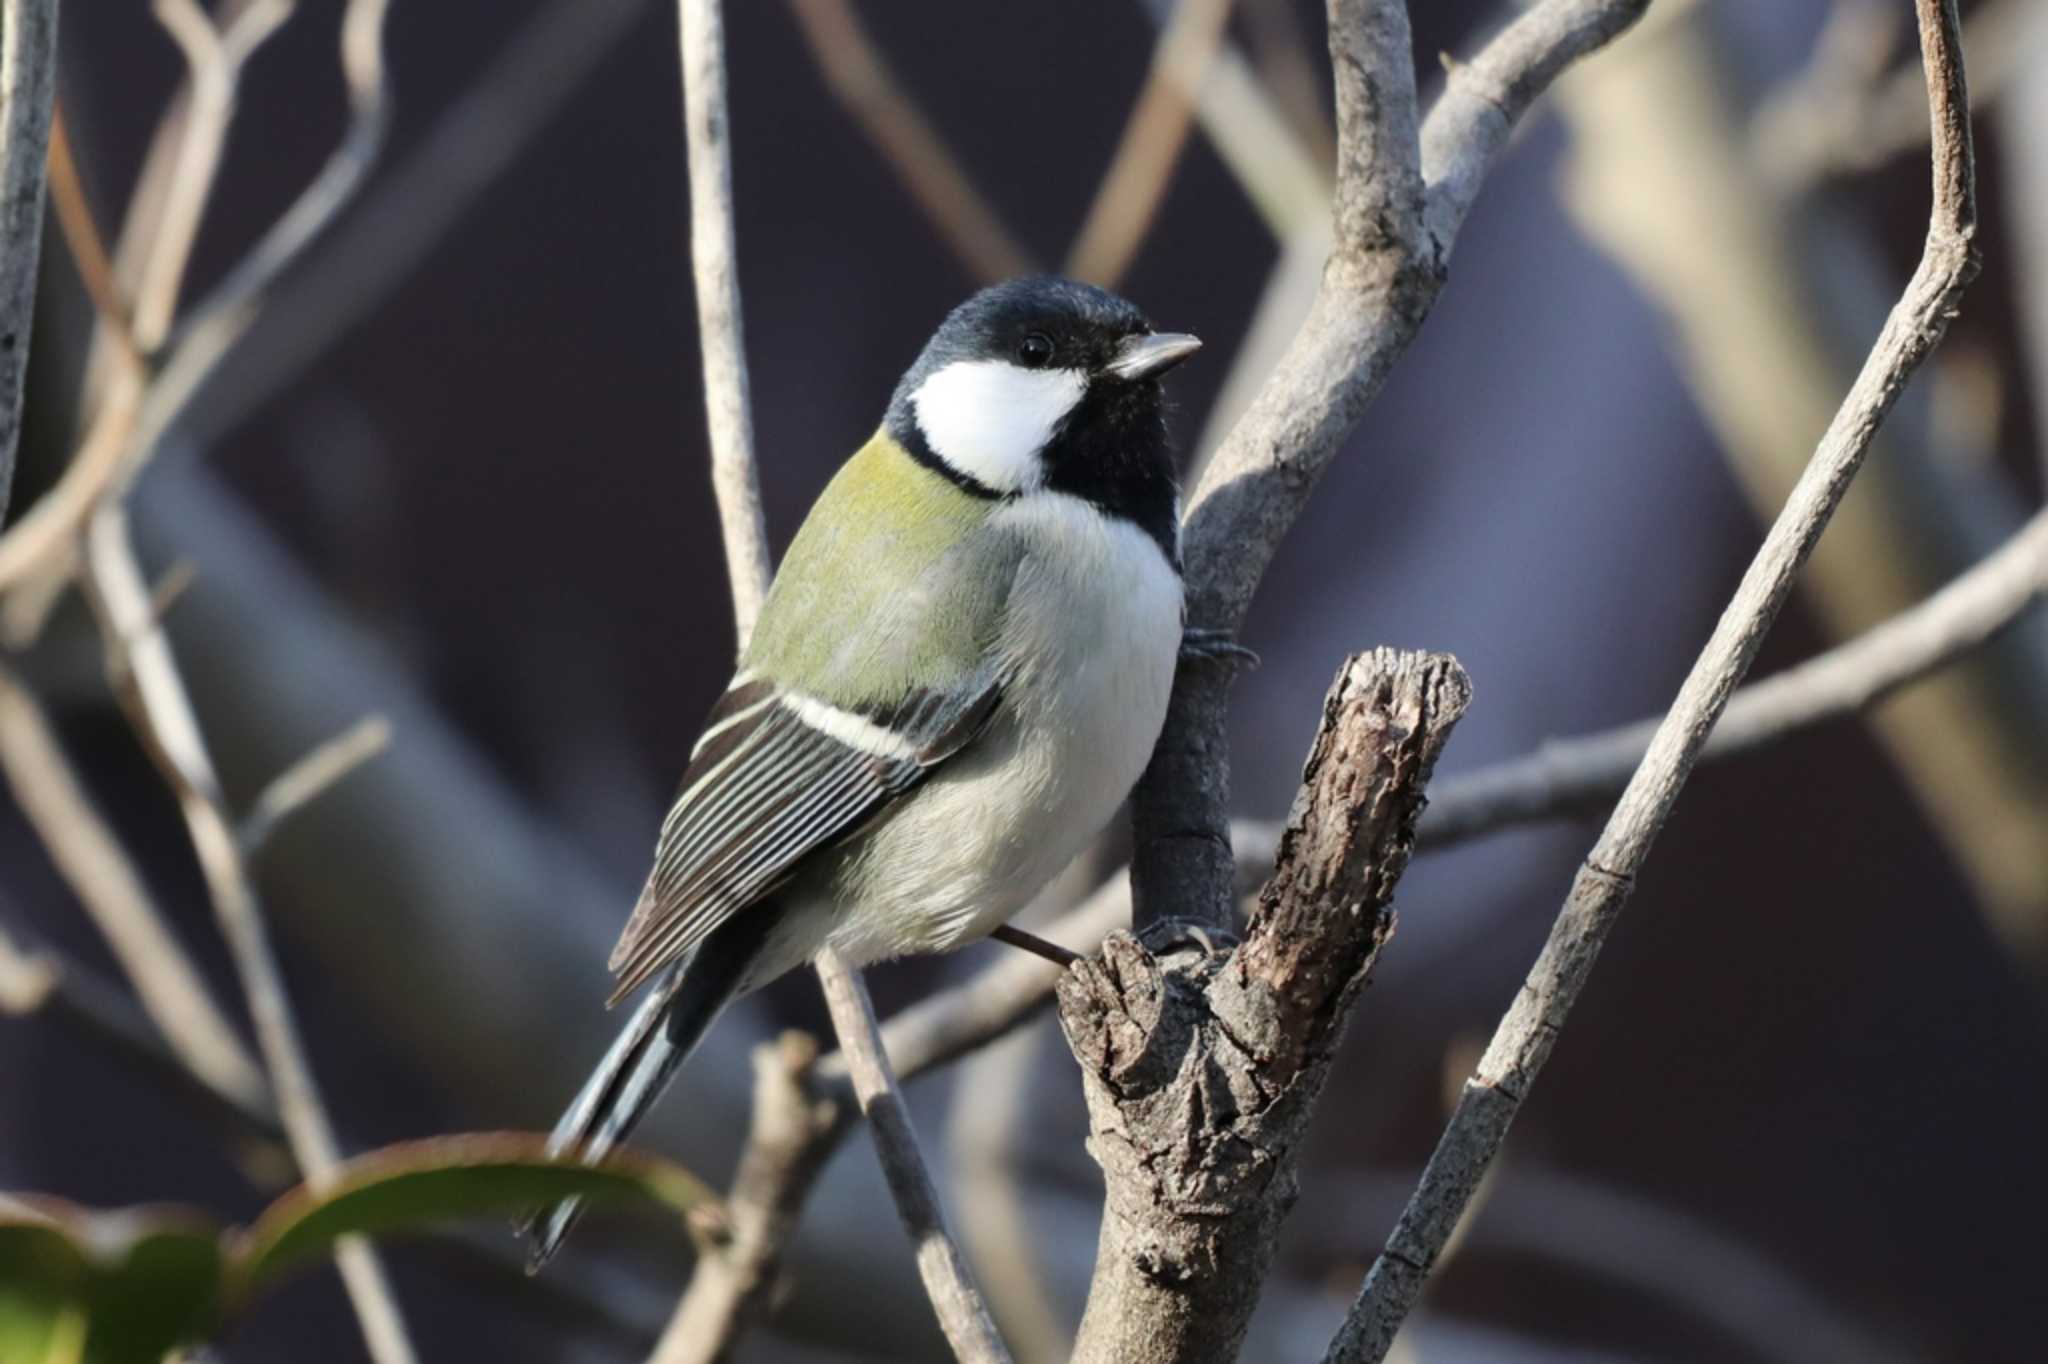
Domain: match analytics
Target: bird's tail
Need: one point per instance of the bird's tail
(658, 1037)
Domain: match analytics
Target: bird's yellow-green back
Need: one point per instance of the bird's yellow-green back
(888, 586)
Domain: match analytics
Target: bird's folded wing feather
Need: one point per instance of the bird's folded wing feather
(776, 775)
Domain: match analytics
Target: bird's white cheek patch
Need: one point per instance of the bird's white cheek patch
(989, 419)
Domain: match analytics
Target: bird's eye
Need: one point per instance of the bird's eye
(1035, 351)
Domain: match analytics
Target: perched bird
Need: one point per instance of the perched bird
(957, 677)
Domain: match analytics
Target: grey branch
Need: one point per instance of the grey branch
(1401, 196)
(306, 780)
(1201, 1069)
(28, 94)
(1575, 774)
(146, 679)
(1522, 1042)
(734, 475)
(957, 1300)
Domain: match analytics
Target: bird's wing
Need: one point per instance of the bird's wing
(776, 775)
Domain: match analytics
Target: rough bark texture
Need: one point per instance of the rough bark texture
(1201, 1067)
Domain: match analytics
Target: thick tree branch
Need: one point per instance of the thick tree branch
(1523, 1041)
(28, 93)
(1394, 229)
(1570, 775)
(1201, 1070)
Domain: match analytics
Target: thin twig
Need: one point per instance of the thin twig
(706, 122)
(1142, 166)
(146, 680)
(306, 780)
(1574, 774)
(140, 662)
(963, 1316)
(1400, 199)
(1012, 936)
(1523, 1041)
(28, 93)
(735, 475)
(99, 872)
(81, 237)
(858, 74)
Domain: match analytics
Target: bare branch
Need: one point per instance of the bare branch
(28, 93)
(1142, 166)
(1393, 231)
(858, 74)
(146, 680)
(1484, 99)
(1574, 774)
(793, 1132)
(306, 780)
(955, 1297)
(1201, 1068)
(734, 475)
(96, 866)
(1527, 1032)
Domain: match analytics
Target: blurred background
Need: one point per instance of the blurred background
(454, 475)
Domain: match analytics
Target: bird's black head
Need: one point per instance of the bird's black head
(1046, 385)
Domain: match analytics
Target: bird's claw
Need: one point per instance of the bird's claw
(1215, 646)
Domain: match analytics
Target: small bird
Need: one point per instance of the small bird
(957, 676)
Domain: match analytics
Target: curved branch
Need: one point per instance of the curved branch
(1522, 1042)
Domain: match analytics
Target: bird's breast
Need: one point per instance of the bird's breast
(1091, 632)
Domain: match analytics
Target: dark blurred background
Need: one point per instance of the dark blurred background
(456, 474)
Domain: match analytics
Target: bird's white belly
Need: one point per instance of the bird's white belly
(1092, 634)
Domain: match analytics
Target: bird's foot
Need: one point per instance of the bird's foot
(1199, 645)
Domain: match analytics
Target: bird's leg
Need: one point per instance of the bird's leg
(1037, 946)
(1199, 645)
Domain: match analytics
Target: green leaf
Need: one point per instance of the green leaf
(79, 1287)
(413, 1185)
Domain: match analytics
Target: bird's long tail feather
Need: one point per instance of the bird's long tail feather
(659, 1036)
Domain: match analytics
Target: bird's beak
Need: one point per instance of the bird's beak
(1141, 357)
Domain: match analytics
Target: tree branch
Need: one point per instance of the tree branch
(1399, 199)
(1142, 166)
(97, 868)
(1526, 1034)
(1575, 774)
(955, 1296)
(140, 662)
(859, 75)
(1201, 1070)
(28, 93)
